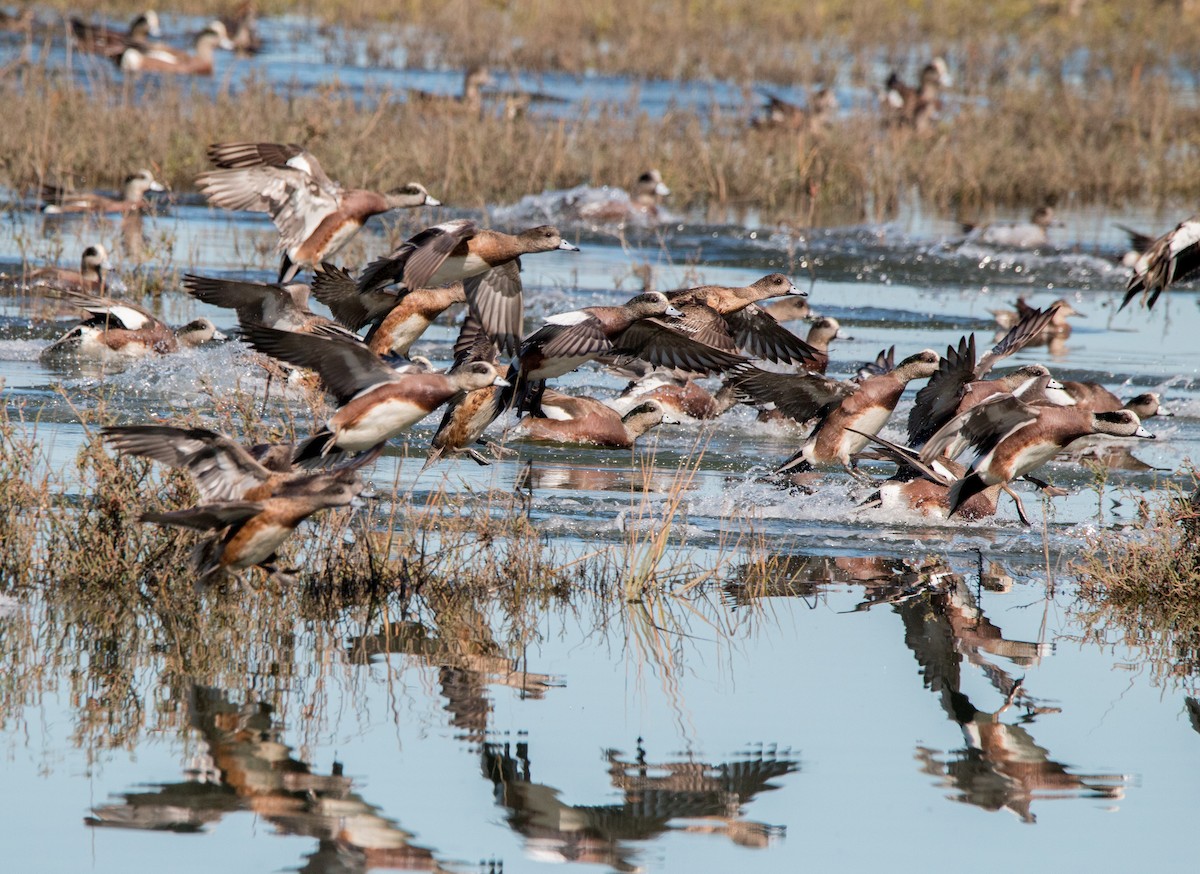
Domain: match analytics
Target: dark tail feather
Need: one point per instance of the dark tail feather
(287, 270)
(965, 489)
(381, 272)
(796, 464)
(317, 448)
(511, 393)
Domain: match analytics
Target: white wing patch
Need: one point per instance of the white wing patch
(567, 319)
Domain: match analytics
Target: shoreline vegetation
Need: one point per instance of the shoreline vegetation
(1031, 119)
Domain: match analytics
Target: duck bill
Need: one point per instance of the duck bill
(661, 190)
(501, 382)
(673, 312)
(799, 292)
(568, 246)
(1143, 433)
(220, 337)
(1164, 411)
(432, 201)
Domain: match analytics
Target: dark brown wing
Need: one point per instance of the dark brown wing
(222, 469)
(1138, 241)
(345, 367)
(206, 517)
(663, 345)
(756, 331)
(705, 325)
(583, 339)
(983, 427)
(238, 155)
(233, 294)
(473, 343)
(336, 288)
(798, 396)
(885, 362)
(938, 399)
(1172, 258)
(416, 260)
(496, 301)
(1031, 326)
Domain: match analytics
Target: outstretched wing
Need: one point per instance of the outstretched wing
(799, 396)
(346, 367)
(496, 300)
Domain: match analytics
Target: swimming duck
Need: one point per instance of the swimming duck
(586, 421)
(133, 197)
(1096, 398)
(155, 59)
(460, 251)
(242, 26)
(102, 40)
(643, 202)
(471, 100)
(1172, 258)
(396, 321)
(780, 114)
(88, 278)
(255, 529)
(375, 403)
(315, 215)
(678, 394)
(114, 326)
(1030, 235)
(260, 303)
(730, 319)
(633, 330)
(1058, 326)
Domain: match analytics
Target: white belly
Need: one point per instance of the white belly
(454, 269)
(381, 422)
(870, 422)
(261, 546)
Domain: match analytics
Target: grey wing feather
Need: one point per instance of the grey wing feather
(662, 345)
(222, 469)
(495, 299)
(982, 427)
(345, 367)
(1031, 326)
(938, 399)
(206, 517)
(797, 396)
(757, 331)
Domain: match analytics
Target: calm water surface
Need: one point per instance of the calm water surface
(895, 694)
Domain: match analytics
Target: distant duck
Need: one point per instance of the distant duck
(471, 98)
(89, 278)
(790, 309)
(115, 327)
(1138, 244)
(315, 216)
(643, 202)
(156, 59)
(1058, 326)
(780, 114)
(1173, 257)
(242, 26)
(586, 421)
(821, 333)
(133, 197)
(103, 40)
(1021, 235)
(917, 107)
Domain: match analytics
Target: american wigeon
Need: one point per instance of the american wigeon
(1096, 398)
(471, 99)
(958, 384)
(1013, 438)
(729, 318)
(162, 59)
(125, 329)
(917, 107)
(865, 407)
(678, 394)
(468, 415)
(821, 333)
(587, 421)
(241, 23)
(375, 403)
(284, 307)
(133, 197)
(89, 278)
(633, 330)
(459, 251)
(1058, 326)
(254, 530)
(780, 114)
(1015, 235)
(396, 321)
(790, 309)
(643, 201)
(1172, 258)
(1138, 244)
(221, 468)
(315, 216)
(103, 40)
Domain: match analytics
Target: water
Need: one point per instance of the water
(895, 692)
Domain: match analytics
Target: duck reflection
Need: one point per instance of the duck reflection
(468, 660)
(682, 795)
(247, 768)
(1001, 766)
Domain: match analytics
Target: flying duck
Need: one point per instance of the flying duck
(1172, 258)
(284, 307)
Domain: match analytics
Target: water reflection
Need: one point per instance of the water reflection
(1001, 766)
(681, 795)
(247, 767)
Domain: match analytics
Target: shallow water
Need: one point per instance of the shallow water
(894, 693)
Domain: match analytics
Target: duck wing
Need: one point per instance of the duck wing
(415, 261)
(1173, 257)
(799, 396)
(496, 301)
(346, 367)
(756, 331)
(663, 345)
(115, 313)
(938, 399)
(206, 517)
(983, 426)
(232, 156)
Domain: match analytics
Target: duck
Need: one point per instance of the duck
(220, 467)
(730, 319)
(125, 329)
(959, 382)
(780, 114)
(101, 40)
(917, 107)
(241, 24)
(635, 330)
(375, 403)
(162, 59)
(1033, 234)
(1058, 326)
(315, 216)
(678, 394)
(284, 307)
(397, 321)
(1096, 398)
(471, 99)
(1173, 257)
(253, 530)
(133, 197)
(643, 202)
(90, 277)
(582, 421)
(458, 251)
(468, 415)
(793, 308)
(1013, 439)
(821, 333)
